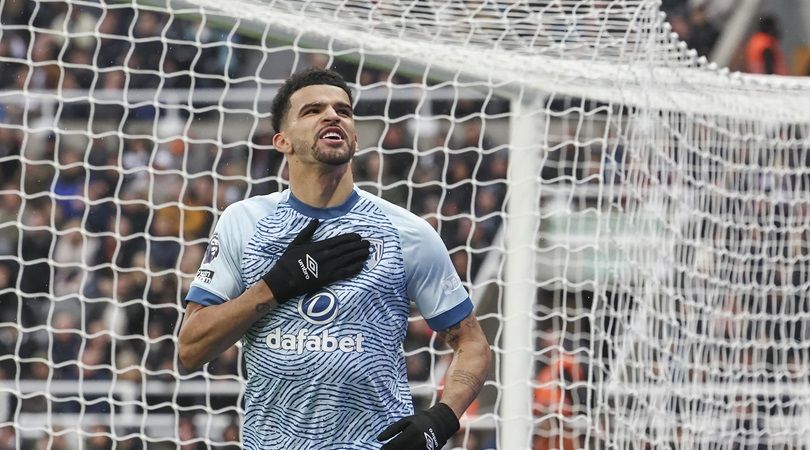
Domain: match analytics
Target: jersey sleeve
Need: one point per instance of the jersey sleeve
(432, 281)
(218, 279)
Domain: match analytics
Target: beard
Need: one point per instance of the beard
(329, 155)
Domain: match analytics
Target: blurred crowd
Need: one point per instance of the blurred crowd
(693, 25)
(98, 252)
(100, 239)
(699, 23)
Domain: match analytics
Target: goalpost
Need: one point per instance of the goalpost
(633, 224)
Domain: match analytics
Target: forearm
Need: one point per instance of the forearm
(466, 375)
(468, 371)
(208, 331)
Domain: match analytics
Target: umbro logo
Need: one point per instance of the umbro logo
(310, 268)
(431, 443)
(312, 265)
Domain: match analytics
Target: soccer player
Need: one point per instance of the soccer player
(317, 282)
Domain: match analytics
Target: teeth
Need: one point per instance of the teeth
(331, 135)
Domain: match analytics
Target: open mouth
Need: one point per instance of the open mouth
(333, 135)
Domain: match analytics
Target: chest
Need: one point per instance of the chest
(384, 268)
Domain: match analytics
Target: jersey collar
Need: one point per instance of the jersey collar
(324, 213)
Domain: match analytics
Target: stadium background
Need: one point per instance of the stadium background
(123, 193)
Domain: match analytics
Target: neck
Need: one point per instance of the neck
(324, 188)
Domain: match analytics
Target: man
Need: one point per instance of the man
(317, 282)
(763, 52)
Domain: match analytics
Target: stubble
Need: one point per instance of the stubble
(329, 155)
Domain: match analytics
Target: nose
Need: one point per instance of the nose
(330, 114)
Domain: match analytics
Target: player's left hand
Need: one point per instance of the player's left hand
(425, 430)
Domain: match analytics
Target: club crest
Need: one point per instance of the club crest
(374, 253)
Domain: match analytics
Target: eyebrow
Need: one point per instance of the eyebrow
(321, 104)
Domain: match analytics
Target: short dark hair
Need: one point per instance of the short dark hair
(769, 25)
(308, 77)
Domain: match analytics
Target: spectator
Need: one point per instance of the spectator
(417, 346)
(99, 345)
(73, 252)
(10, 144)
(36, 246)
(98, 438)
(112, 45)
(231, 436)
(70, 184)
(164, 247)
(8, 437)
(9, 335)
(111, 110)
(84, 74)
(127, 365)
(149, 48)
(189, 438)
(763, 53)
(9, 216)
(189, 262)
(135, 158)
(748, 426)
(554, 397)
(16, 13)
(40, 371)
(702, 33)
(58, 439)
(680, 25)
(159, 347)
(266, 164)
(102, 206)
(397, 144)
(197, 220)
(46, 74)
(11, 46)
(66, 344)
(76, 20)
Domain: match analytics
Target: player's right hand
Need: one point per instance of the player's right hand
(425, 430)
(307, 266)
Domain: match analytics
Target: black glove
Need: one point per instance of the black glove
(307, 266)
(425, 430)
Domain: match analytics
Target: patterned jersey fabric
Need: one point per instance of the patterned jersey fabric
(327, 370)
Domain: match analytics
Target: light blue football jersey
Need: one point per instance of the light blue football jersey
(327, 371)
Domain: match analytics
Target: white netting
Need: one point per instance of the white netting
(669, 201)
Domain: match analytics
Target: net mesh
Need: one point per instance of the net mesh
(672, 211)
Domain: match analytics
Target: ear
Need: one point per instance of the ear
(282, 144)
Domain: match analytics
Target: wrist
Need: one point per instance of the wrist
(457, 411)
(274, 287)
(262, 297)
(445, 418)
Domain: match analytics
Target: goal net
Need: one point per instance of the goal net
(632, 223)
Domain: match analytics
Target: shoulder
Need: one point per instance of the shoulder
(268, 201)
(408, 223)
(251, 208)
